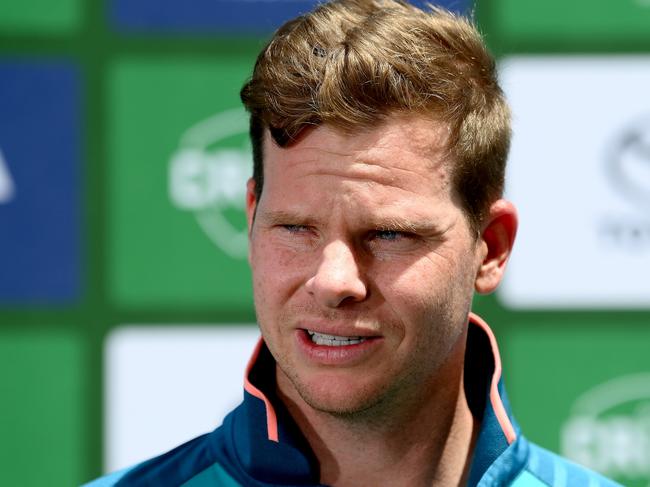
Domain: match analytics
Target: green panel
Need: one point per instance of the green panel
(42, 411)
(180, 158)
(39, 16)
(583, 389)
(576, 20)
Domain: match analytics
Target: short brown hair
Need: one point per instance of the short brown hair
(352, 63)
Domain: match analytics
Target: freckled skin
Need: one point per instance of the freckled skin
(364, 235)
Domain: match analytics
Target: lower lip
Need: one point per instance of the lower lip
(341, 355)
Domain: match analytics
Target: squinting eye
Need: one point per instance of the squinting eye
(294, 228)
(388, 234)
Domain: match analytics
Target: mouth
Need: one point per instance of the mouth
(333, 340)
(336, 350)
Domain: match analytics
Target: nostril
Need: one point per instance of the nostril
(332, 292)
(338, 278)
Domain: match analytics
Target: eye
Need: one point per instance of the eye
(294, 228)
(388, 243)
(388, 235)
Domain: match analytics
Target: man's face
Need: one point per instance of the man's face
(363, 263)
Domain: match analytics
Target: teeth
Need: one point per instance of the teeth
(333, 340)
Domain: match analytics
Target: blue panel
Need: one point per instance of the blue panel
(39, 165)
(220, 16)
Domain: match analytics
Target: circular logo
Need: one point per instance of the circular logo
(628, 161)
(208, 174)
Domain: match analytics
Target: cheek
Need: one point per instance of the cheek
(264, 273)
(276, 278)
(420, 283)
(431, 290)
(414, 299)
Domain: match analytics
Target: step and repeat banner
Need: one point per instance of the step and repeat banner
(126, 315)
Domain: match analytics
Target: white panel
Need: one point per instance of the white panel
(166, 385)
(579, 173)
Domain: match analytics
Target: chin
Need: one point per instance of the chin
(339, 398)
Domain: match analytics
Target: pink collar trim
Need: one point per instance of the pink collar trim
(271, 418)
(495, 398)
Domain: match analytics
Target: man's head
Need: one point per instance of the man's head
(352, 64)
(376, 212)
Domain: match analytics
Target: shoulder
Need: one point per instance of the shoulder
(109, 480)
(189, 464)
(546, 469)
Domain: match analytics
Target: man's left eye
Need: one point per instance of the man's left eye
(388, 235)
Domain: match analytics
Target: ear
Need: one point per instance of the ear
(251, 204)
(497, 239)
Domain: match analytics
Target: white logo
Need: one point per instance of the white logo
(609, 430)
(209, 179)
(7, 189)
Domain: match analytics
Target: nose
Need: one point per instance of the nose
(338, 278)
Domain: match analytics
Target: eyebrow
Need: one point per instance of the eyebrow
(420, 227)
(279, 217)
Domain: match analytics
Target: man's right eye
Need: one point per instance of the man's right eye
(295, 228)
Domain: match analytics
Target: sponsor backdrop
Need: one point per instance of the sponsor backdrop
(125, 300)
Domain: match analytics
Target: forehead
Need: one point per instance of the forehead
(401, 145)
(395, 172)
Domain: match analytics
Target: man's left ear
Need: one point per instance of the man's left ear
(497, 239)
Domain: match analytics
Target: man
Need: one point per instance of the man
(380, 137)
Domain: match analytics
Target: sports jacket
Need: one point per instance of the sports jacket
(259, 445)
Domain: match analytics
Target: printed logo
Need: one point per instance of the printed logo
(7, 189)
(609, 430)
(208, 174)
(627, 163)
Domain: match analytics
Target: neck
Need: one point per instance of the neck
(424, 441)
